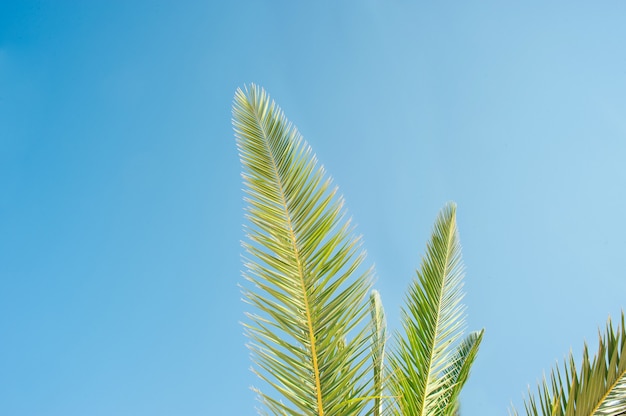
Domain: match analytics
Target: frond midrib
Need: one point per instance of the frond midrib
(294, 246)
(607, 392)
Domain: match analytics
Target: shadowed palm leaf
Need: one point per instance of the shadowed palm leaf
(308, 338)
(598, 389)
(427, 371)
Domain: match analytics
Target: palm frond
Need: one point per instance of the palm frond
(307, 334)
(424, 365)
(458, 372)
(379, 339)
(598, 389)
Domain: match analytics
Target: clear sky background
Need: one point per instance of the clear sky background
(121, 202)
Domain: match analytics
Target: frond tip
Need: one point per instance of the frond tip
(598, 389)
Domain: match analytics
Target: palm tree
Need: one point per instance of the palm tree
(318, 334)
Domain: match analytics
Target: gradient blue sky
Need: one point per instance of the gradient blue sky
(121, 203)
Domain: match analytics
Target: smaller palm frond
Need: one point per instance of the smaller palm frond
(379, 339)
(457, 373)
(598, 389)
(308, 335)
(429, 366)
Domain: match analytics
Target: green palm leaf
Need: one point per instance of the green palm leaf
(599, 389)
(307, 336)
(427, 373)
(458, 371)
(379, 340)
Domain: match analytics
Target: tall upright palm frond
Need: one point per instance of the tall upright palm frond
(308, 337)
(428, 368)
(599, 388)
(379, 340)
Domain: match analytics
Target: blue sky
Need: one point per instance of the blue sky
(121, 202)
